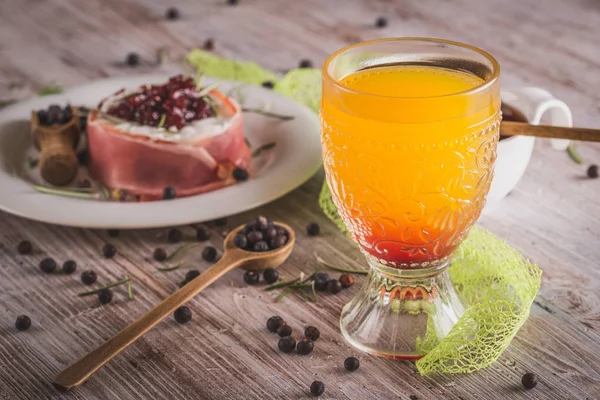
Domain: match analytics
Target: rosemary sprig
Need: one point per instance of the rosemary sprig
(282, 295)
(12, 86)
(208, 100)
(161, 123)
(113, 284)
(5, 103)
(312, 276)
(574, 154)
(208, 88)
(129, 291)
(314, 292)
(67, 192)
(105, 192)
(198, 78)
(263, 148)
(180, 250)
(340, 269)
(268, 113)
(49, 90)
(172, 268)
(279, 285)
(162, 55)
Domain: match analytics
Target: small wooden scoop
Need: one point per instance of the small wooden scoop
(56, 143)
(233, 257)
(512, 128)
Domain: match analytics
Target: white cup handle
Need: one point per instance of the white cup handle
(534, 102)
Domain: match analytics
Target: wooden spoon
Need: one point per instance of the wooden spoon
(512, 128)
(233, 257)
(57, 143)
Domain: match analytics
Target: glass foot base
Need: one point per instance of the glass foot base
(401, 314)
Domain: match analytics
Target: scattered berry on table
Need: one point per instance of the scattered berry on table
(232, 2)
(83, 157)
(202, 233)
(159, 254)
(305, 346)
(284, 330)
(529, 380)
(381, 22)
(351, 364)
(274, 323)
(23, 322)
(89, 277)
(347, 280)
(113, 232)
(251, 277)
(321, 284)
(209, 44)
(312, 333)
(192, 274)
(317, 388)
(334, 286)
(209, 254)
(132, 59)
(268, 84)
(592, 171)
(109, 250)
(174, 235)
(270, 275)
(169, 193)
(183, 283)
(172, 14)
(221, 221)
(322, 276)
(305, 63)
(25, 247)
(105, 295)
(287, 344)
(48, 265)
(313, 229)
(69, 267)
(183, 314)
(240, 174)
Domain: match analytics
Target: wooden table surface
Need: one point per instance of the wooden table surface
(553, 216)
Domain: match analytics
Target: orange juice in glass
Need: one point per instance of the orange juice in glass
(409, 134)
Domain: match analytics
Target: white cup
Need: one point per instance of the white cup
(514, 153)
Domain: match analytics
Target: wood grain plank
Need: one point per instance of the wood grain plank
(225, 352)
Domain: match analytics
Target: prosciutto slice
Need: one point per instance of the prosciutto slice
(144, 166)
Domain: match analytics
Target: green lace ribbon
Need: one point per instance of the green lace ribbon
(496, 281)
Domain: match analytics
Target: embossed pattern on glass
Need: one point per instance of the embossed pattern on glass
(409, 191)
(409, 129)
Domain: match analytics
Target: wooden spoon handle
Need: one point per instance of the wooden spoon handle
(58, 161)
(81, 370)
(511, 128)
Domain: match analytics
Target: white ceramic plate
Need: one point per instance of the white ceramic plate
(294, 159)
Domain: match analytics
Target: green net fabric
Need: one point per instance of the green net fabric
(496, 281)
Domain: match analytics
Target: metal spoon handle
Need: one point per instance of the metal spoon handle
(81, 370)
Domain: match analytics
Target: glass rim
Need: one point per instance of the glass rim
(481, 87)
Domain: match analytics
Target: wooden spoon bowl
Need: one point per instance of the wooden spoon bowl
(263, 260)
(233, 257)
